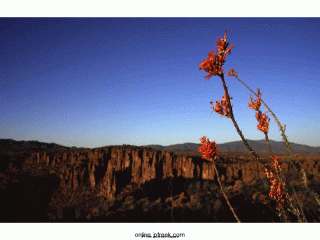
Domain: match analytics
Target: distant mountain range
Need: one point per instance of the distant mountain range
(10, 145)
(257, 145)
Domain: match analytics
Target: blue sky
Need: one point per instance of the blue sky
(92, 82)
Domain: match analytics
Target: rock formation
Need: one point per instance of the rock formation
(107, 172)
(105, 168)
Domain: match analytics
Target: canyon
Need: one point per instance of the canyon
(89, 184)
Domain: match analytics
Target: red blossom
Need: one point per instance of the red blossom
(256, 104)
(208, 149)
(213, 64)
(263, 120)
(222, 108)
(276, 190)
(232, 73)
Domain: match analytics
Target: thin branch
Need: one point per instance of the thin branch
(224, 194)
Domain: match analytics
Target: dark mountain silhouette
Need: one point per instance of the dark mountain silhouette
(257, 145)
(9, 145)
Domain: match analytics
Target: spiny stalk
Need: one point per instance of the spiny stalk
(213, 65)
(298, 166)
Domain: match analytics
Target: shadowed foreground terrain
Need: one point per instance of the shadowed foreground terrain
(138, 184)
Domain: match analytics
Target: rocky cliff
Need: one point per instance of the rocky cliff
(103, 175)
(105, 168)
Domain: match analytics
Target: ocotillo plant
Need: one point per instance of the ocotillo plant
(278, 189)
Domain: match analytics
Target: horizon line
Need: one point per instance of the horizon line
(147, 144)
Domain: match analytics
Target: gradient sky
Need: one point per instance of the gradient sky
(92, 82)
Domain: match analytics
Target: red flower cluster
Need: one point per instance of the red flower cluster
(255, 105)
(213, 64)
(276, 190)
(232, 73)
(263, 119)
(208, 149)
(222, 108)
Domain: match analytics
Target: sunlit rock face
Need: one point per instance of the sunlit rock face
(89, 180)
(104, 168)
